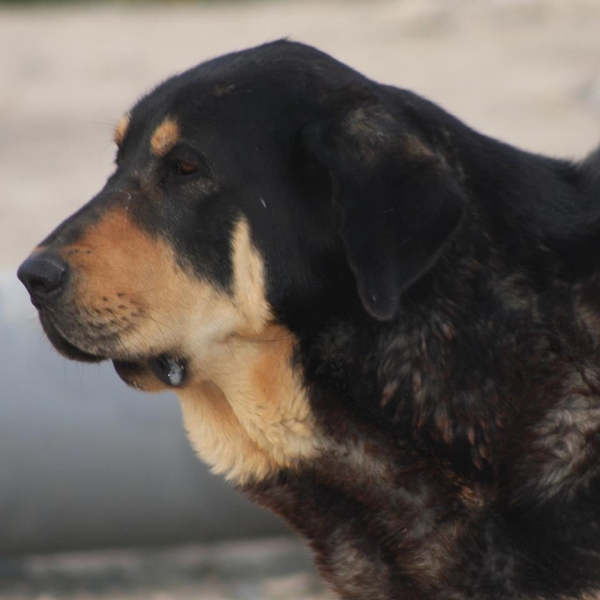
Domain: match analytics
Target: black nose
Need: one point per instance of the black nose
(44, 276)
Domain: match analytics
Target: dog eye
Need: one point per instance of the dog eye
(185, 167)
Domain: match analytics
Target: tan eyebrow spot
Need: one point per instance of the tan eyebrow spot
(121, 129)
(165, 136)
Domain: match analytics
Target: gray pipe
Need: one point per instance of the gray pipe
(87, 462)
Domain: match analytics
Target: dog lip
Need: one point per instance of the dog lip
(74, 353)
(38, 305)
(63, 345)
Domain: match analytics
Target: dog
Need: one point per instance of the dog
(381, 324)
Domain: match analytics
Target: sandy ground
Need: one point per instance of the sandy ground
(266, 570)
(527, 71)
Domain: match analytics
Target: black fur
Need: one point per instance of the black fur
(444, 291)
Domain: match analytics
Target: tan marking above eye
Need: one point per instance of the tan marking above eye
(121, 129)
(164, 138)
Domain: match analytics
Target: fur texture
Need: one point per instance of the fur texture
(383, 325)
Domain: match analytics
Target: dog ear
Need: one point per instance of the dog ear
(399, 202)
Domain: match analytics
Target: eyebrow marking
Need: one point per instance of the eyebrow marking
(165, 136)
(121, 129)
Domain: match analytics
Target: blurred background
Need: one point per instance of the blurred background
(100, 493)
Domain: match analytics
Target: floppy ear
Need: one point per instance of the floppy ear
(399, 202)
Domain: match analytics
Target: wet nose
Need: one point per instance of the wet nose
(44, 275)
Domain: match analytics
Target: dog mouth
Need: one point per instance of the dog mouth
(169, 368)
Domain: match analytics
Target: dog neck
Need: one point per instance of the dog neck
(246, 409)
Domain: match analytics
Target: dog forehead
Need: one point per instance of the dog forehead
(193, 112)
(271, 83)
(243, 92)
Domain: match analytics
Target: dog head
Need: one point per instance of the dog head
(260, 185)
